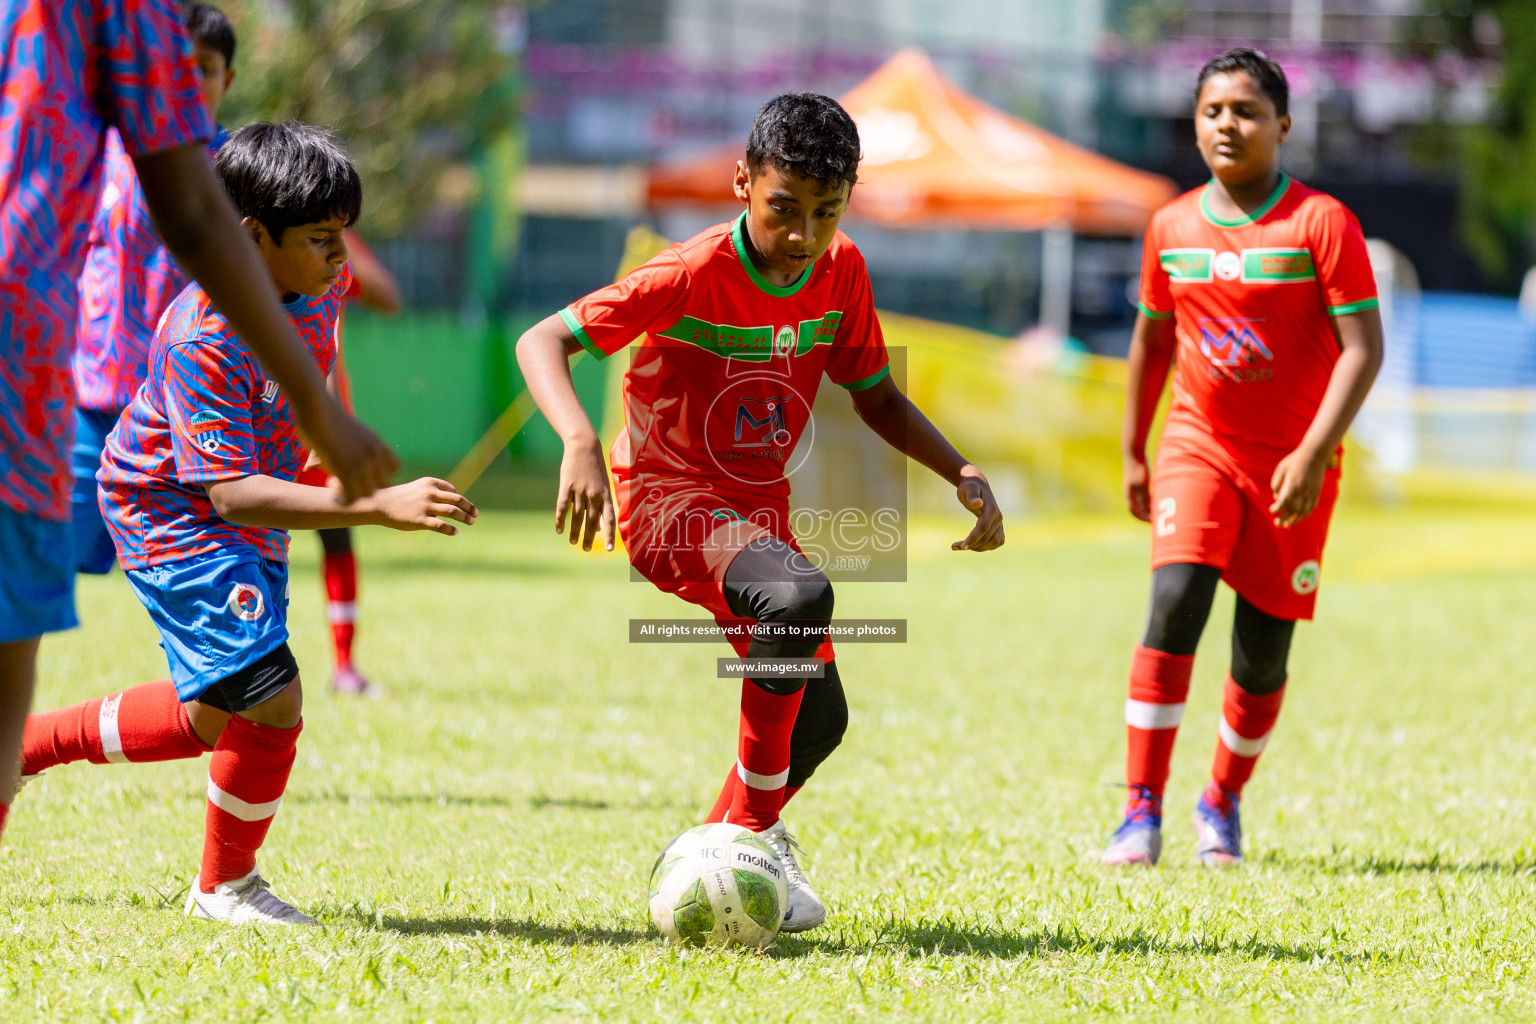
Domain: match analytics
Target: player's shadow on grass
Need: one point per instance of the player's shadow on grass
(488, 567)
(512, 928)
(924, 939)
(537, 803)
(1518, 864)
(404, 799)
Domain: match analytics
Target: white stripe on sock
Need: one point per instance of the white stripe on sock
(106, 723)
(341, 611)
(232, 804)
(1144, 715)
(757, 781)
(1239, 745)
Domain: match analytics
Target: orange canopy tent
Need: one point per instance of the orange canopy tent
(936, 156)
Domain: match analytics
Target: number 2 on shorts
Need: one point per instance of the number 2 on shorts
(1165, 510)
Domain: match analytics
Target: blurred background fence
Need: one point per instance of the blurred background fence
(504, 181)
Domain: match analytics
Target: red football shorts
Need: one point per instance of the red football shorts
(682, 536)
(1210, 509)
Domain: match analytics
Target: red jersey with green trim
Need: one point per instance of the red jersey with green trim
(721, 388)
(1252, 301)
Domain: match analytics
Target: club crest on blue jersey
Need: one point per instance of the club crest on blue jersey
(207, 430)
(268, 392)
(246, 602)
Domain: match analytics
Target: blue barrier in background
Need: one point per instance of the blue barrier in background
(1472, 341)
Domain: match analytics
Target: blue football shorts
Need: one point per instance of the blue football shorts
(37, 576)
(94, 552)
(217, 613)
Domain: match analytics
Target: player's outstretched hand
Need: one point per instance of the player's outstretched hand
(350, 451)
(584, 491)
(425, 504)
(1297, 484)
(976, 495)
(1138, 489)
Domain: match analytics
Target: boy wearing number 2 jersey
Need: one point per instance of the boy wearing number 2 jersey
(1257, 292)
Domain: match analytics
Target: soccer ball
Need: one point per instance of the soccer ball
(718, 884)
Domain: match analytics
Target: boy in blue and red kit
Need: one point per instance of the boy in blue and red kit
(129, 279)
(784, 267)
(198, 489)
(72, 69)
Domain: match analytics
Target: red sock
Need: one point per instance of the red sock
(145, 723)
(728, 796)
(762, 758)
(5, 809)
(1153, 711)
(246, 778)
(1246, 722)
(341, 602)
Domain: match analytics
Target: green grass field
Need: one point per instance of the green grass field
(478, 844)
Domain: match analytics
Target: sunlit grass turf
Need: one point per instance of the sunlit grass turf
(478, 843)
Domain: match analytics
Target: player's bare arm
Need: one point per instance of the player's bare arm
(201, 228)
(1151, 357)
(1298, 479)
(543, 354)
(258, 500)
(892, 415)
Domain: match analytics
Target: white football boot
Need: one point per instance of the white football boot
(804, 909)
(247, 900)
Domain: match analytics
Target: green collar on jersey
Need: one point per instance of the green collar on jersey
(739, 243)
(1244, 221)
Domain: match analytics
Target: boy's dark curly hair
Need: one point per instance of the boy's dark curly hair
(805, 134)
(207, 25)
(289, 174)
(1259, 66)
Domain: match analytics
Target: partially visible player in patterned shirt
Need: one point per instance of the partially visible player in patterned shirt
(198, 486)
(73, 69)
(129, 279)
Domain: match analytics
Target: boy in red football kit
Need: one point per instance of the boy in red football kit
(703, 515)
(1258, 292)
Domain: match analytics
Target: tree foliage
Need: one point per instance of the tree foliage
(414, 88)
(1498, 159)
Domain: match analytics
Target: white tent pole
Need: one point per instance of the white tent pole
(1056, 278)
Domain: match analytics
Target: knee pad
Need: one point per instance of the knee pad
(1182, 594)
(820, 726)
(1261, 649)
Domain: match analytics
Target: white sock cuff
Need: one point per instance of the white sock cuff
(244, 810)
(756, 781)
(1144, 715)
(1242, 746)
(106, 723)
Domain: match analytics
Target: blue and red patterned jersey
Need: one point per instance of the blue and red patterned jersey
(72, 69)
(130, 277)
(206, 412)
